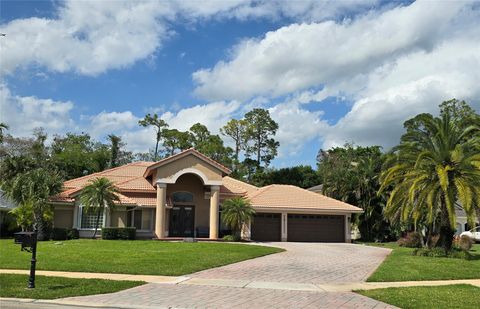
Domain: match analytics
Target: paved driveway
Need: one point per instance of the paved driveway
(315, 263)
(302, 263)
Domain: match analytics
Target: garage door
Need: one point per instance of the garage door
(321, 228)
(266, 227)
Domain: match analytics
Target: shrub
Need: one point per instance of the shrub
(126, 233)
(64, 234)
(411, 240)
(440, 252)
(59, 234)
(231, 238)
(72, 234)
(464, 243)
(432, 241)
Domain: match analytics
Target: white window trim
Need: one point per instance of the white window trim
(80, 215)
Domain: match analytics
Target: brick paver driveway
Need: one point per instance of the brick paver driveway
(315, 263)
(157, 295)
(303, 263)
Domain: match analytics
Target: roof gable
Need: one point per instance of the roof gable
(185, 153)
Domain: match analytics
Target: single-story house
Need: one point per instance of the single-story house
(181, 196)
(462, 222)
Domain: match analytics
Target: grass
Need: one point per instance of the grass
(57, 287)
(401, 265)
(439, 297)
(144, 257)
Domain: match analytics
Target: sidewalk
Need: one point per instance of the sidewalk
(185, 280)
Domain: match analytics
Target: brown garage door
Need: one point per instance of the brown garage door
(321, 228)
(266, 227)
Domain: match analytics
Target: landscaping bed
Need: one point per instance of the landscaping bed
(439, 297)
(59, 287)
(402, 265)
(145, 257)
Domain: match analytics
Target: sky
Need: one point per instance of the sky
(329, 72)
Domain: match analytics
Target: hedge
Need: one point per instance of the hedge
(127, 233)
(64, 234)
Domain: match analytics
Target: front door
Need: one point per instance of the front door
(182, 221)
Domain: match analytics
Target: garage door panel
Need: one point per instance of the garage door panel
(266, 227)
(316, 228)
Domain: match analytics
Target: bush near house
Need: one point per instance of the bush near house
(411, 240)
(64, 234)
(125, 233)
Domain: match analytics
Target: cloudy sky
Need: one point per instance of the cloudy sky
(330, 72)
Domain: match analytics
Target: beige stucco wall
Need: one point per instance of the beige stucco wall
(170, 169)
(192, 183)
(63, 217)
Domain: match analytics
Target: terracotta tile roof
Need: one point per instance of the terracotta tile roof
(126, 177)
(143, 199)
(236, 187)
(184, 153)
(292, 197)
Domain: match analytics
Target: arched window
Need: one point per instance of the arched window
(182, 197)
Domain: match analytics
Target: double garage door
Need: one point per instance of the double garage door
(300, 227)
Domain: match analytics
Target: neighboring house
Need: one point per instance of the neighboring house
(462, 224)
(316, 189)
(181, 196)
(6, 219)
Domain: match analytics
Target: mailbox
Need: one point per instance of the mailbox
(26, 239)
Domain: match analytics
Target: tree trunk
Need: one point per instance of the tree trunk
(156, 149)
(38, 225)
(445, 240)
(96, 224)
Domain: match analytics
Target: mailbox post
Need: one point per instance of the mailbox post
(28, 241)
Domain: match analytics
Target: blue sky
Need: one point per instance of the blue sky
(329, 72)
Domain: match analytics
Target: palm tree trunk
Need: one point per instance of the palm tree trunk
(445, 240)
(96, 223)
(38, 225)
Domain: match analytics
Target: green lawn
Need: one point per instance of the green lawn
(401, 265)
(57, 287)
(130, 257)
(439, 297)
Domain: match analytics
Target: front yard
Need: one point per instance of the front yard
(439, 297)
(401, 265)
(144, 257)
(56, 287)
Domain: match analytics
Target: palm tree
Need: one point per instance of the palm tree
(99, 194)
(3, 126)
(32, 190)
(237, 212)
(436, 164)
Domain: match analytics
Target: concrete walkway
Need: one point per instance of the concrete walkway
(248, 284)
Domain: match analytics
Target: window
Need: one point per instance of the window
(182, 197)
(89, 218)
(141, 219)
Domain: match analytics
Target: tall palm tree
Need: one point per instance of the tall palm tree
(32, 190)
(3, 127)
(436, 164)
(237, 212)
(98, 195)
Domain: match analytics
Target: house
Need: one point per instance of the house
(181, 196)
(462, 222)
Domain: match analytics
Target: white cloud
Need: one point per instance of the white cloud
(88, 37)
(91, 37)
(23, 114)
(392, 65)
(104, 123)
(412, 85)
(297, 127)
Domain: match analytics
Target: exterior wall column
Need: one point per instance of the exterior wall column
(284, 225)
(160, 212)
(75, 224)
(214, 208)
(348, 236)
